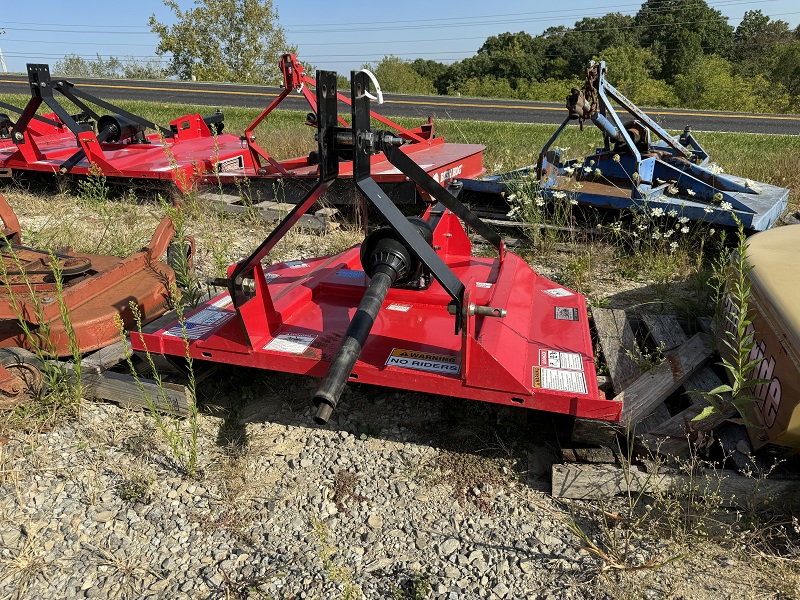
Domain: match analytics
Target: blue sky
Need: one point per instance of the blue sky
(335, 34)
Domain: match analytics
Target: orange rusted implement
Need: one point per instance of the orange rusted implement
(96, 288)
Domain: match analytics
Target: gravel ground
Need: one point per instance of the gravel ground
(401, 496)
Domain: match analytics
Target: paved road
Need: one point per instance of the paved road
(481, 109)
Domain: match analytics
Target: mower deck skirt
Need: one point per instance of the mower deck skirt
(538, 356)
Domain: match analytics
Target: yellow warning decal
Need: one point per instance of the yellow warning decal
(424, 361)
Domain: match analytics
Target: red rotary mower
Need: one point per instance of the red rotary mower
(193, 149)
(409, 308)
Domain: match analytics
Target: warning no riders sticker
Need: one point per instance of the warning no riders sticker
(424, 361)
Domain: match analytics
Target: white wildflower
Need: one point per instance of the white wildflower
(573, 202)
(708, 209)
(673, 246)
(512, 213)
(559, 195)
(512, 197)
(673, 213)
(715, 168)
(672, 189)
(691, 192)
(657, 212)
(684, 229)
(587, 169)
(668, 233)
(540, 201)
(641, 226)
(726, 206)
(569, 170)
(656, 235)
(683, 220)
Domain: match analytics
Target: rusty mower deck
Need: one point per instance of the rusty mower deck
(95, 290)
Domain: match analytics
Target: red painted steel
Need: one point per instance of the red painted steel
(538, 356)
(194, 155)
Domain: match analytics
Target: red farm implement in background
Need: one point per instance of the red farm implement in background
(409, 308)
(193, 149)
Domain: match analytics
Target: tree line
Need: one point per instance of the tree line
(670, 53)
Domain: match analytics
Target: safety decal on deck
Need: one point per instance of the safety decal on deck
(190, 331)
(483, 284)
(399, 307)
(560, 360)
(234, 163)
(291, 343)
(296, 264)
(557, 292)
(564, 313)
(223, 302)
(424, 361)
(349, 273)
(210, 316)
(559, 380)
(270, 276)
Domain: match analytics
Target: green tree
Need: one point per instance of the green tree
(786, 67)
(631, 69)
(755, 39)
(143, 69)
(77, 66)
(711, 83)
(513, 56)
(679, 31)
(433, 71)
(569, 49)
(223, 40)
(396, 75)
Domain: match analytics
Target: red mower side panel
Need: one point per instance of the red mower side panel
(538, 356)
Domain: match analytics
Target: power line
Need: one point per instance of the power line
(366, 43)
(351, 27)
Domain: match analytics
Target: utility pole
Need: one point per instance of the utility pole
(2, 58)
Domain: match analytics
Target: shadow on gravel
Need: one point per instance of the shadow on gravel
(478, 442)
